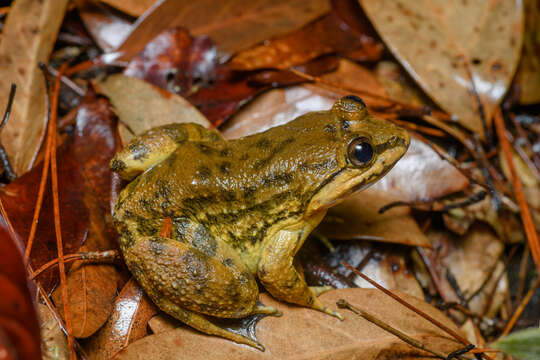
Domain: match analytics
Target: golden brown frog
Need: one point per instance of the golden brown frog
(241, 209)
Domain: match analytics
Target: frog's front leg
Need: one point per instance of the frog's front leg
(155, 145)
(279, 273)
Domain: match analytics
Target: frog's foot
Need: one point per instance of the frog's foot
(202, 324)
(318, 290)
(266, 310)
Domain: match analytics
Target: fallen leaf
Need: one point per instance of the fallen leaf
(458, 49)
(329, 34)
(176, 61)
(471, 260)
(131, 7)
(322, 337)
(279, 106)
(83, 174)
(398, 85)
(232, 25)
(127, 323)
(528, 73)
(106, 27)
(19, 327)
(28, 37)
(141, 105)
(386, 264)
(54, 344)
(189, 67)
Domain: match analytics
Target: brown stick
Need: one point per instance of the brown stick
(530, 230)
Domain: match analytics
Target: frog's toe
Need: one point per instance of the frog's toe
(318, 305)
(318, 290)
(266, 310)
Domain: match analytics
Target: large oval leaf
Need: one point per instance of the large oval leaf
(307, 334)
(454, 49)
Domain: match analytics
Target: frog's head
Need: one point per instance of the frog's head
(367, 148)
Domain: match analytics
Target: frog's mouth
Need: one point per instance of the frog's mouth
(350, 180)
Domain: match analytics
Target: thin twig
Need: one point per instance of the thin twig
(530, 230)
(91, 256)
(342, 303)
(44, 172)
(406, 304)
(524, 264)
(515, 316)
(56, 210)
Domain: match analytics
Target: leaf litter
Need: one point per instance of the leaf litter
(430, 229)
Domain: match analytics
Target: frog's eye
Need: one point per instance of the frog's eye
(360, 151)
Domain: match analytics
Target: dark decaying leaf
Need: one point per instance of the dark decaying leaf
(82, 173)
(528, 73)
(188, 66)
(19, 327)
(329, 34)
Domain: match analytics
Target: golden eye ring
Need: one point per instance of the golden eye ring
(360, 151)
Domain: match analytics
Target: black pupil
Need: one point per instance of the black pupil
(363, 152)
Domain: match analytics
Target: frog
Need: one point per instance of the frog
(205, 221)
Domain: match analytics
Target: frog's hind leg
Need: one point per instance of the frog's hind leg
(201, 323)
(189, 279)
(155, 145)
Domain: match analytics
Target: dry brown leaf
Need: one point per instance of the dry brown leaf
(53, 340)
(141, 105)
(28, 37)
(472, 260)
(233, 25)
(127, 323)
(307, 334)
(329, 34)
(279, 106)
(131, 7)
(450, 47)
(528, 74)
(91, 291)
(91, 287)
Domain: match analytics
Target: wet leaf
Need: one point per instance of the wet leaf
(322, 337)
(141, 105)
(131, 7)
(128, 321)
(27, 38)
(107, 28)
(456, 46)
(528, 73)
(232, 25)
(54, 342)
(330, 34)
(83, 174)
(19, 327)
(524, 344)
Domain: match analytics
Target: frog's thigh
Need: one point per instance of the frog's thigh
(281, 276)
(155, 145)
(185, 276)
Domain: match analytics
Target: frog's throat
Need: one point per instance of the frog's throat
(350, 180)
